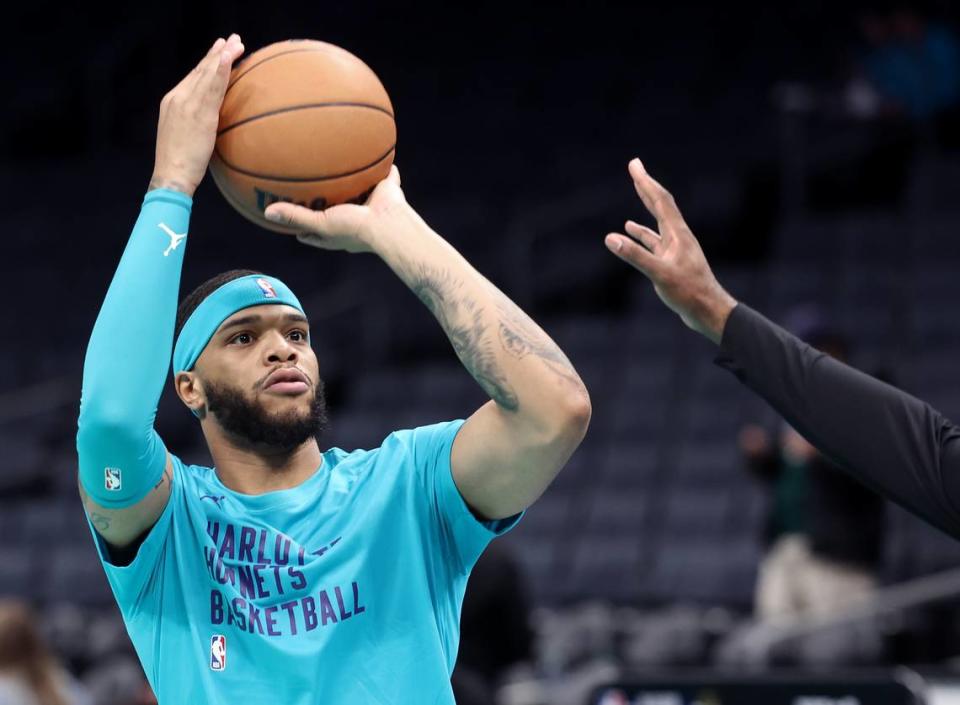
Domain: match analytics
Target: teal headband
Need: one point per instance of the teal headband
(252, 290)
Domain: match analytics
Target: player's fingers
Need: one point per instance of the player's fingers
(215, 77)
(190, 80)
(231, 51)
(217, 46)
(656, 198)
(212, 60)
(297, 217)
(645, 235)
(211, 52)
(394, 175)
(633, 253)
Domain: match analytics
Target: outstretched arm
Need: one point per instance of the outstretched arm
(512, 447)
(889, 440)
(125, 471)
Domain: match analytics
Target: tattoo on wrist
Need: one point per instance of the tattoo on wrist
(171, 184)
(462, 320)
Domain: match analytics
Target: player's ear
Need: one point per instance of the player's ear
(190, 390)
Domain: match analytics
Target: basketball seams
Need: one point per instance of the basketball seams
(242, 208)
(269, 58)
(307, 106)
(288, 179)
(323, 49)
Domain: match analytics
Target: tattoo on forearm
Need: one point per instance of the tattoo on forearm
(520, 337)
(462, 319)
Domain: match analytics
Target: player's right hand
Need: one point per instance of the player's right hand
(349, 227)
(189, 116)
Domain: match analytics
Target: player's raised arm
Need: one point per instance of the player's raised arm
(512, 447)
(886, 438)
(125, 472)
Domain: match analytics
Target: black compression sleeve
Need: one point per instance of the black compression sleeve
(887, 439)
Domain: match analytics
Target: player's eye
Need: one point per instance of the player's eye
(241, 338)
(301, 336)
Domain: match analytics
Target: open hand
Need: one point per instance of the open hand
(189, 116)
(672, 259)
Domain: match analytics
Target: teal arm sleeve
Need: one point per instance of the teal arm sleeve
(121, 456)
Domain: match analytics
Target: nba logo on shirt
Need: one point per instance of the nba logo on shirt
(111, 479)
(267, 289)
(218, 652)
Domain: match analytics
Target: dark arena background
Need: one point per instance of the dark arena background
(814, 149)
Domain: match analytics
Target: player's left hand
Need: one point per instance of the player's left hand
(347, 227)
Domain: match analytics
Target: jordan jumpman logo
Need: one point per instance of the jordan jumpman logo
(175, 239)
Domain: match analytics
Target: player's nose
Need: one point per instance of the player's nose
(279, 348)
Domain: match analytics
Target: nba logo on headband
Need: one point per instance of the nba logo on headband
(267, 288)
(235, 295)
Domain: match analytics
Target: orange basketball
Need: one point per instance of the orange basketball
(302, 121)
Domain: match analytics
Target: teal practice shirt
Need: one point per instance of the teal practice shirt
(344, 590)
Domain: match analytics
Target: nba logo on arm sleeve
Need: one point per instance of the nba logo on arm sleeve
(218, 652)
(267, 289)
(111, 479)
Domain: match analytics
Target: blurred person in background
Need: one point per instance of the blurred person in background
(824, 530)
(908, 64)
(852, 139)
(29, 673)
(495, 632)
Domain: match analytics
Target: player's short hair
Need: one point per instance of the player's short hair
(196, 297)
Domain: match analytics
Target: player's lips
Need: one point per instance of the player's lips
(286, 380)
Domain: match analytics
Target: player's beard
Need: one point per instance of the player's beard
(247, 420)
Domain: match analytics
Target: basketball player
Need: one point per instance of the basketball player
(890, 441)
(287, 574)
